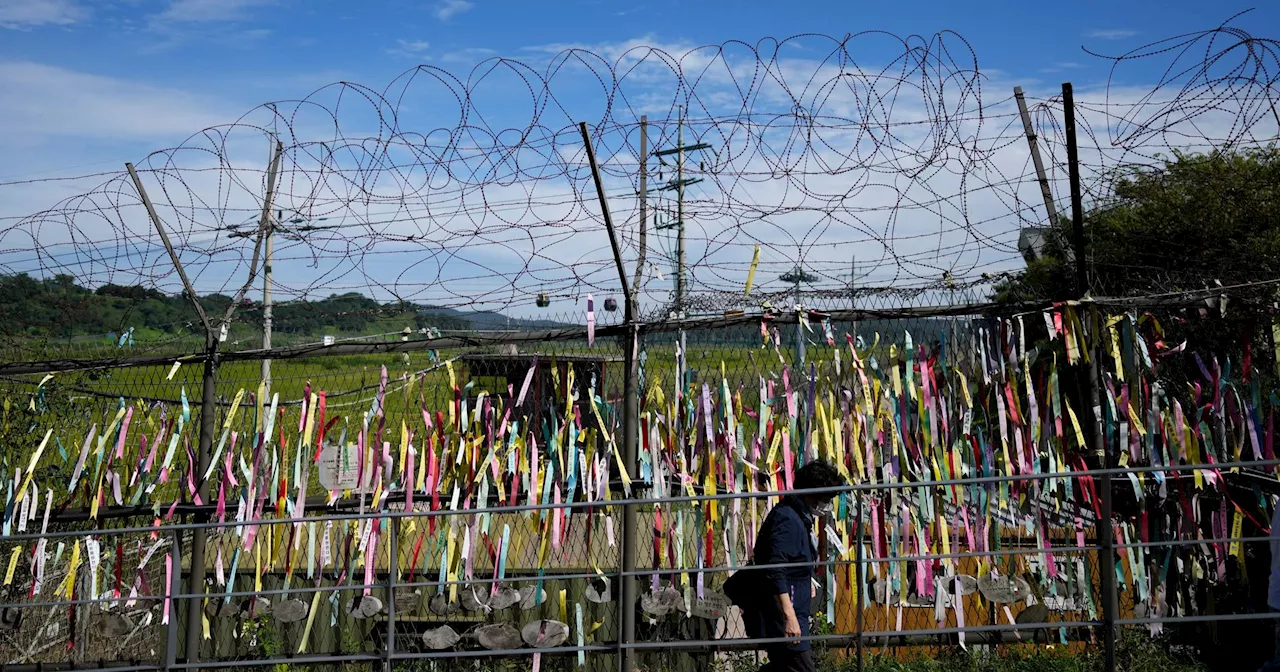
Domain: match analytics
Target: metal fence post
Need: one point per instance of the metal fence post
(1107, 542)
(625, 636)
(1106, 534)
(174, 588)
(859, 574)
(630, 427)
(208, 418)
(393, 570)
(1106, 531)
(208, 399)
(630, 419)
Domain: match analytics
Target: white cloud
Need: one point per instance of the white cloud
(1060, 67)
(413, 46)
(450, 8)
(39, 101)
(468, 56)
(220, 22)
(415, 49)
(1111, 34)
(57, 123)
(32, 13)
(199, 11)
(614, 51)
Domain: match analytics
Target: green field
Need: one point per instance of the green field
(73, 401)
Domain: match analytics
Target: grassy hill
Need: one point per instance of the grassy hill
(57, 310)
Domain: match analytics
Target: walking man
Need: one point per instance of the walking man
(775, 601)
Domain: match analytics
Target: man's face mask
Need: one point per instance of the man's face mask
(823, 509)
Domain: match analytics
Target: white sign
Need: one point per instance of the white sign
(338, 468)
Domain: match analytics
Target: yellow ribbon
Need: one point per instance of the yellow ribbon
(751, 274)
(13, 564)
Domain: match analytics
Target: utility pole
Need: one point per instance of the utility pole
(799, 322)
(268, 231)
(644, 202)
(680, 254)
(678, 185)
(797, 276)
(266, 299)
(853, 291)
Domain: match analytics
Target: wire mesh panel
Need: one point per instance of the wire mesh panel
(1006, 547)
(481, 428)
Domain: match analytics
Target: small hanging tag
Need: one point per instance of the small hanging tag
(582, 654)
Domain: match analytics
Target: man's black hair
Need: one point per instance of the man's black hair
(818, 474)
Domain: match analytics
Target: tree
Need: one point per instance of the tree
(57, 307)
(1193, 222)
(1187, 224)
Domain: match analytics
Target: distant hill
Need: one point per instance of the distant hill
(488, 320)
(59, 308)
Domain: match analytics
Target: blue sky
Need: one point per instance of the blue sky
(243, 52)
(88, 84)
(251, 50)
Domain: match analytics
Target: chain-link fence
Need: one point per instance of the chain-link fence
(441, 498)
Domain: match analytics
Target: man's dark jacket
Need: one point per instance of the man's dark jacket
(784, 538)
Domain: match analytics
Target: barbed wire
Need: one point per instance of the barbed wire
(473, 192)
